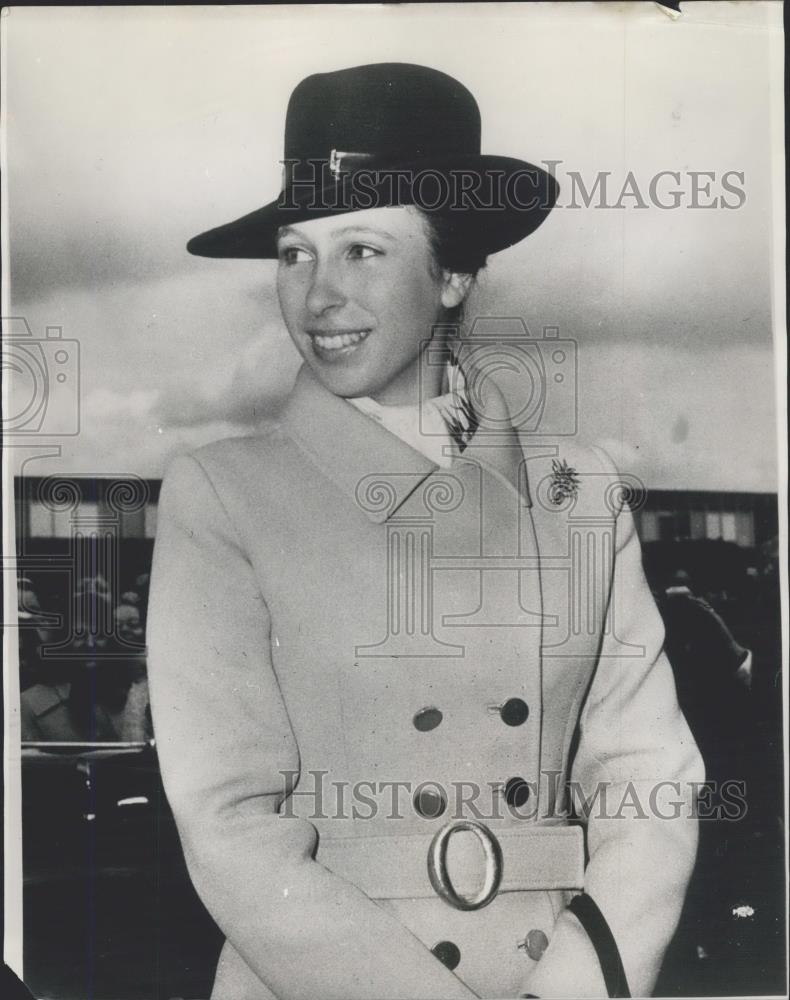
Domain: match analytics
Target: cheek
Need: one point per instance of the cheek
(291, 293)
(419, 306)
(410, 296)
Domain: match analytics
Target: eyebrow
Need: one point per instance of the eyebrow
(370, 230)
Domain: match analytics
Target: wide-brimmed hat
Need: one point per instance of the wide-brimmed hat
(390, 134)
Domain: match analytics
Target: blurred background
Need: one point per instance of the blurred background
(129, 130)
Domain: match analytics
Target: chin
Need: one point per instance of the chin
(345, 383)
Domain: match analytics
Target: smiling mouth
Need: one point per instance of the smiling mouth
(340, 342)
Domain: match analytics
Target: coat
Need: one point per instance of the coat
(341, 635)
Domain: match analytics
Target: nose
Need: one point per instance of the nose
(325, 290)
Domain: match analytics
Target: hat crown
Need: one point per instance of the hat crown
(389, 134)
(396, 111)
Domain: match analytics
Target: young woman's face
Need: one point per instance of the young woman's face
(360, 293)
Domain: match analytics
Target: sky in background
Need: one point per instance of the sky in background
(128, 130)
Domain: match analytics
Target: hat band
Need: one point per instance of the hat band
(353, 161)
(339, 162)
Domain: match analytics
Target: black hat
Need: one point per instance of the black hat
(390, 134)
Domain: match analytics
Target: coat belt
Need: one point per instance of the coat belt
(396, 866)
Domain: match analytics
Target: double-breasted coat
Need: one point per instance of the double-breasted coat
(350, 647)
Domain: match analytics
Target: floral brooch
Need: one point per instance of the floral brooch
(564, 482)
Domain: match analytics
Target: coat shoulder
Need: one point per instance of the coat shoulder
(241, 462)
(583, 456)
(576, 476)
(234, 451)
(256, 482)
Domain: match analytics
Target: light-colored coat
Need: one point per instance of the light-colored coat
(313, 590)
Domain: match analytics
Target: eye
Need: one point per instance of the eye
(360, 251)
(294, 255)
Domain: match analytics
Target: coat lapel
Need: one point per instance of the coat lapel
(359, 455)
(373, 467)
(574, 544)
(531, 603)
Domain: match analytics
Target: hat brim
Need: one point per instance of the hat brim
(525, 194)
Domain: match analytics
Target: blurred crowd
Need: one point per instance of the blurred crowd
(721, 614)
(723, 638)
(721, 610)
(83, 672)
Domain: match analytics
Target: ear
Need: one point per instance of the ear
(455, 288)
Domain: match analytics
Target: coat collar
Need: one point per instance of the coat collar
(351, 449)
(355, 452)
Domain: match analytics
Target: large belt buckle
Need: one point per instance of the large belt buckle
(437, 865)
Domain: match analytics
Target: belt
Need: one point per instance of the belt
(404, 866)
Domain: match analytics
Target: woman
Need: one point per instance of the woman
(369, 681)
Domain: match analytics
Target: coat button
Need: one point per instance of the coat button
(535, 943)
(514, 712)
(427, 719)
(516, 792)
(429, 802)
(448, 953)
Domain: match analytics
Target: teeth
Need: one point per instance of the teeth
(341, 340)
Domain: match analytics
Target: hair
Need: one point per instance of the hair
(453, 249)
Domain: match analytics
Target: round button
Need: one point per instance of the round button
(535, 944)
(429, 802)
(514, 712)
(448, 953)
(516, 792)
(427, 719)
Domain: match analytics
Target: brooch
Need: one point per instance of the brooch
(564, 482)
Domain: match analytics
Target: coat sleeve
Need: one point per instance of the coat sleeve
(223, 739)
(637, 764)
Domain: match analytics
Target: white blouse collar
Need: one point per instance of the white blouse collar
(421, 427)
(438, 428)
